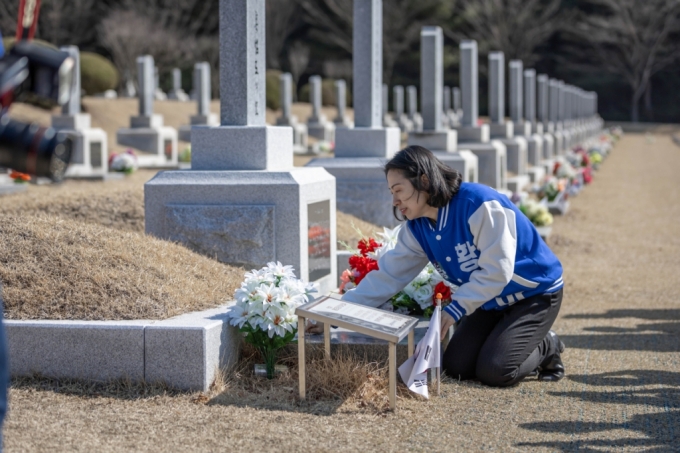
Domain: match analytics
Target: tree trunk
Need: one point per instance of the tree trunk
(649, 110)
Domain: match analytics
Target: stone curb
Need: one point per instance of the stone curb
(184, 352)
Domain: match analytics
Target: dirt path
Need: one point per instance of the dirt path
(620, 246)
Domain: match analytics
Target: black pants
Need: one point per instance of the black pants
(500, 348)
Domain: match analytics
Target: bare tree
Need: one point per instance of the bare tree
(283, 19)
(631, 39)
(9, 12)
(298, 60)
(515, 27)
(70, 22)
(402, 21)
(127, 35)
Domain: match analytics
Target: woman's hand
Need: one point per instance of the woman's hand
(314, 328)
(446, 322)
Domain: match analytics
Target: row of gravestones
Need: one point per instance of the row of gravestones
(243, 202)
(157, 143)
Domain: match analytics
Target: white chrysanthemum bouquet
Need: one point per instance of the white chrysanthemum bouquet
(265, 309)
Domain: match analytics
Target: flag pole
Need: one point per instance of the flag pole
(439, 305)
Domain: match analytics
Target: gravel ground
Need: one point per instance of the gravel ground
(620, 320)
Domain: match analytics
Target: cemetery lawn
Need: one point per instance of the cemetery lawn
(620, 321)
(78, 251)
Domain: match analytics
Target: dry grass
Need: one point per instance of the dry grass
(56, 268)
(354, 382)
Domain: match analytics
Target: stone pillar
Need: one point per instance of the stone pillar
(472, 136)
(388, 121)
(243, 202)
(535, 141)
(317, 124)
(146, 76)
(516, 83)
(341, 103)
(404, 122)
(412, 108)
(499, 127)
(202, 90)
(360, 152)
(543, 108)
(457, 101)
(287, 118)
(89, 156)
(177, 92)
(469, 82)
(156, 143)
(434, 135)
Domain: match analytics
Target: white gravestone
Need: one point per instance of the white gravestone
(287, 118)
(243, 202)
(156, 144)
(361, 152)
(89, 157)
(202, 88)
(318, 125)
(441, 140)
(472, 135)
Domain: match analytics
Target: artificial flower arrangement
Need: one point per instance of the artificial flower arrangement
(265, 309)
(123, 162)
(19, 178)
(417, 298)
(553, 188)
(185, 155)
(536, 212)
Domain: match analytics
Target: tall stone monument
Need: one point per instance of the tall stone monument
(543, 107)
(177, 93)
(243, 202)
(318, 125)
(554, 109)
(202, 88)
(439, 139)
(473, 136)
(535, 170)
(341, 120)
(90, 145)
(287, 118)
(361, 152)
(156, 144)
(412, 108)
(457, 106)
(449, 120)
(388, 121)
(404, 122)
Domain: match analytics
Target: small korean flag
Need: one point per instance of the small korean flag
(427, 355)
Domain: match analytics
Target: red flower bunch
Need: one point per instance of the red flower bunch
(361, 264)
(443, 289)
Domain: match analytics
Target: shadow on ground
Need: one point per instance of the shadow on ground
(660, 336)
(656, 431)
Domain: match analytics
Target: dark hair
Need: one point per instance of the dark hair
(416, 161)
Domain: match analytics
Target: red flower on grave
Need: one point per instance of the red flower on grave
(443, 289)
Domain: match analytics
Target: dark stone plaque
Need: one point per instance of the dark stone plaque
(96, 154)
(319, 239)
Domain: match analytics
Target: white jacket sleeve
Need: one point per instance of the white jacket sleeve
(396, 269)
(494, 231)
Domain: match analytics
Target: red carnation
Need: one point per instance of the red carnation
(442, 289)
(368, 245)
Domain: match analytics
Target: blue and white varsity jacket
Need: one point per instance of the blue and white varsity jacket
(481, 242)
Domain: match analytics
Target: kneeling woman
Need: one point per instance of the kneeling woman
(510, 282)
